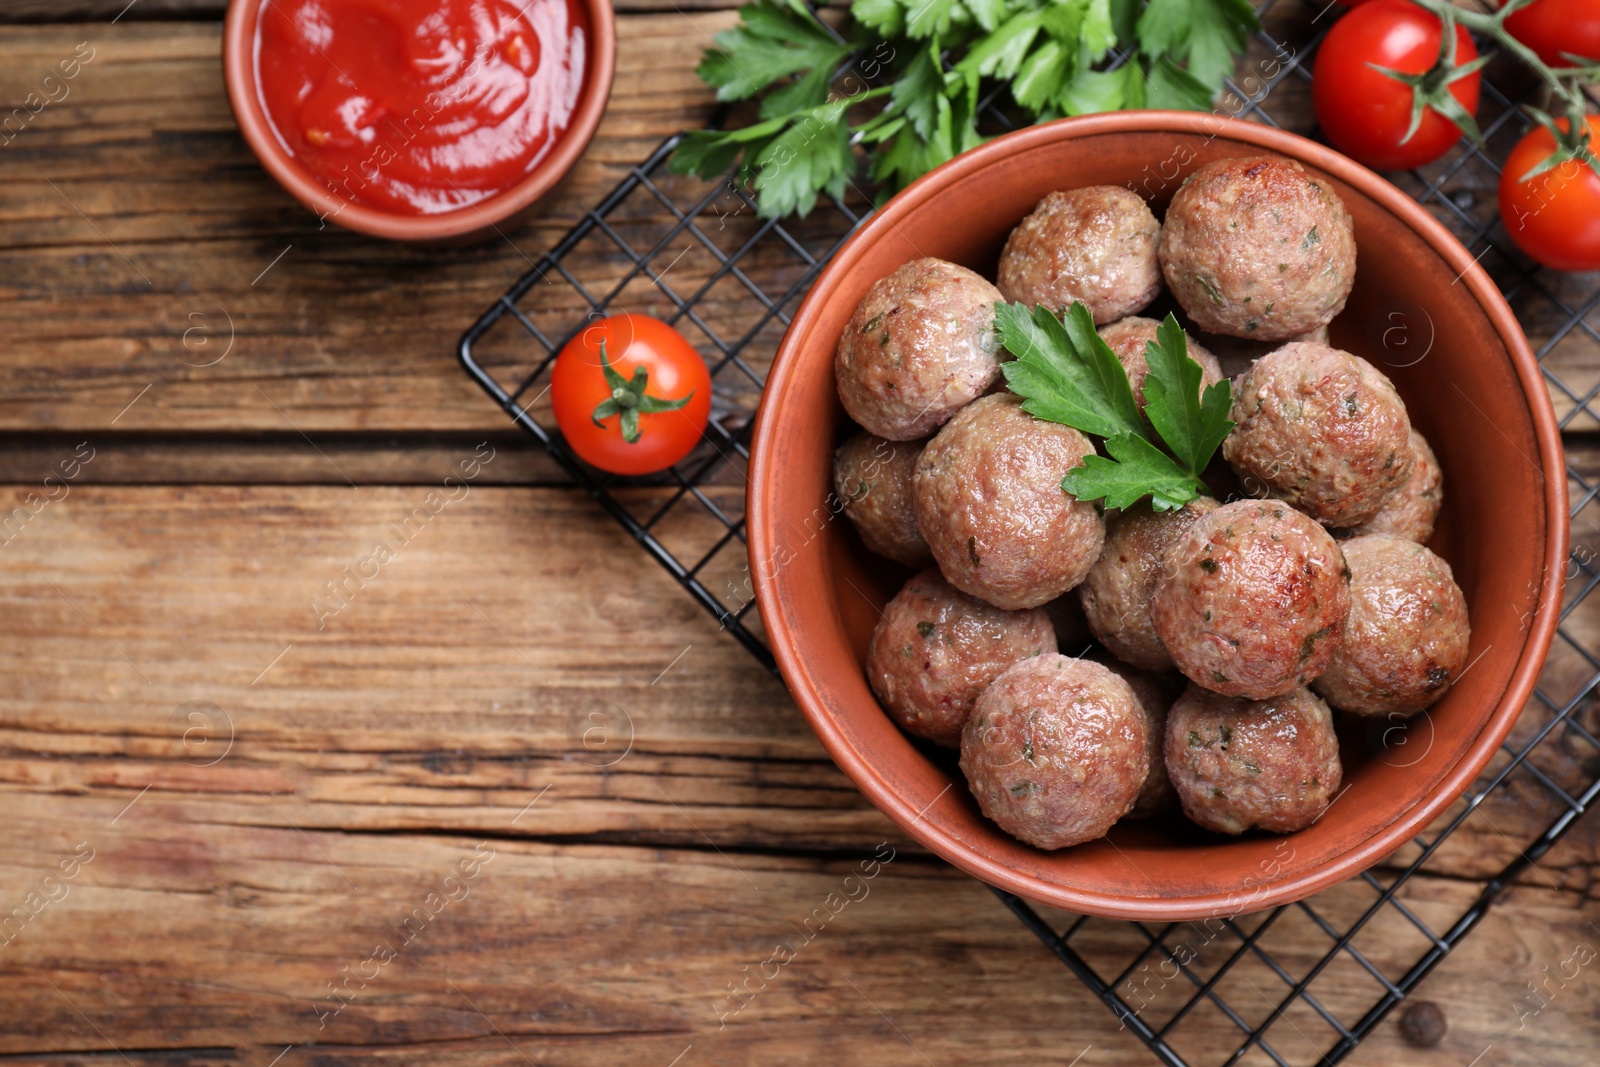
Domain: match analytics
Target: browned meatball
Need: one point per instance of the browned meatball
(1251, 599)
(1238, 763)
(1322, 429)
(872, 476)
(1127, 338)
(935, 649)
(990, 504)
(1257, 247)
(1155, 694)
(1096, 245)
(920, 346)
(1116, 594)
(1410, 509)
(1055, 750)
(1406, 636)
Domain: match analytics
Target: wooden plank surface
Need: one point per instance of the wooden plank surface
(139, 241)
(515, 640)
(140, 237)
(272, 777)
(495, 664)
(242, 945)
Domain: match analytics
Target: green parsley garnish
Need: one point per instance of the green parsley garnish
(1066, 373)
(901, 81)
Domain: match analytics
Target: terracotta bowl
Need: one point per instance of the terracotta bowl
(478, 221)
(1471, 384)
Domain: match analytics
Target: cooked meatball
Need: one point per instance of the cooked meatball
(1116, 594)
(872, 477)
(1406, 636)
(1258, 248)
(1055, 750)
(1410, 509)
(1322, 429)
(1240, 763)
(1096, 244)
(1155, 694)
(990, 504)
(919, 347)
(1127, 338)
(1251, 599)
(935, 649)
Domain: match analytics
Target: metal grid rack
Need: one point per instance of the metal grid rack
(1246, 987)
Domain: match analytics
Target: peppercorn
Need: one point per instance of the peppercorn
(1423, 1023)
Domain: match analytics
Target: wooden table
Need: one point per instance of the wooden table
(518, 800)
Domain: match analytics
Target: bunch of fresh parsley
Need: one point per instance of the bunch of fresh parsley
(903, 79)
(1066, 373)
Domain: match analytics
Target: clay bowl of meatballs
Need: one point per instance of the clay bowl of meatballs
(1157, 516)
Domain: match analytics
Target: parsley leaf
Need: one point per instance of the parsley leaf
(886, 18)
(1207, 33)
(811, 155)
(1170, 86)
(771, 41)
(1193, 425)
(1042, 74)
(1136, 469)
(935, 60)
(1000, 54)
(919, 90)
(1065, 373)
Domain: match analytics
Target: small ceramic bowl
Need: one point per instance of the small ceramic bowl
(476, 222)
(1422, 311)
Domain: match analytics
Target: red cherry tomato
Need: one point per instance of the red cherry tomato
(658, 388)
(1366, 113)
(1555, 217)
(1551, 27)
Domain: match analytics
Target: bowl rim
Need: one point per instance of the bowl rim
(480, 219)
(764, 477)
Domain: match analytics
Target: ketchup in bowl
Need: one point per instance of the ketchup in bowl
(419, 107)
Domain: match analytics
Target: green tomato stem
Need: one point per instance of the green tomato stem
(629, 399)
(1493, 26)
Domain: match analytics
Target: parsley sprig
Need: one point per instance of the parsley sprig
(1064, 372)
(902, 80)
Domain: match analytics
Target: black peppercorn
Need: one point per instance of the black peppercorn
(1423, 1023)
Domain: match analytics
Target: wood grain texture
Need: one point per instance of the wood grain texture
(136, 214)
(187, 932)
(273, 776)
(140, 239)
(515, 640)
(273, 458)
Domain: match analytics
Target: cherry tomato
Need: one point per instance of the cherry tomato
(630, 376)
(1554, 217)
(1551, 27)
(1366, 113)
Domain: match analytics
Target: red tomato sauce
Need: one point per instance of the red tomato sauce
(419, 107)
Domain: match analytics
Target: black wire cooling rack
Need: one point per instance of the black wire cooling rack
(1299, 984)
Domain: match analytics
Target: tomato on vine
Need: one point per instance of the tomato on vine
(1555, 29)
(1550, 194)
(631, 396)
(1391, 90)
